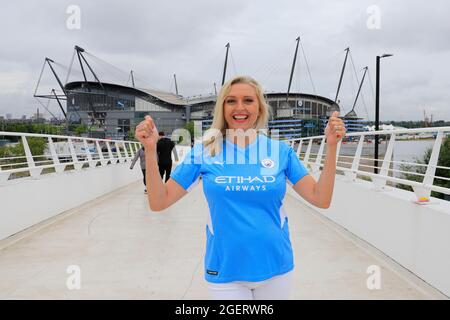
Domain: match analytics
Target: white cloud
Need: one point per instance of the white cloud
(159, 38)
(14, 82)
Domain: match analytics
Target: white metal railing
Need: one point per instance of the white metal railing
(62, 153)
(80, 152)
(355, 164)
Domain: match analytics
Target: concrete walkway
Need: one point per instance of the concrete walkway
(125, 251)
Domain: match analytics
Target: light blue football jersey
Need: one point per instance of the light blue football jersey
(247, 234)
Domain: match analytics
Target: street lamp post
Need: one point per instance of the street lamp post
(377, 109)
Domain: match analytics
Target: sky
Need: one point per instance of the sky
(157, 39)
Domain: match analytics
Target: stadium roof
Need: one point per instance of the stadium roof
(178, 100)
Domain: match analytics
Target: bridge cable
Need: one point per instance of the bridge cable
(362, 94)
(70, 66)
(144, 81)
(70, 70)
(233, 63)
(128, 80)
(307, 67)
(372, 91)
(48, 99)
(266, 70)
(46, 107)
(39, 80)
(260, 70)
(299, 77)
(109, 70)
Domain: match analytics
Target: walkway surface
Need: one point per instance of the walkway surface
(125, 251)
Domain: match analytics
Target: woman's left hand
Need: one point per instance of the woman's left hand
(335, 129)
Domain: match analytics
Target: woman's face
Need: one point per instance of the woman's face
(241, 107)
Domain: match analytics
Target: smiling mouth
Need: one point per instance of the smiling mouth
(240, 117)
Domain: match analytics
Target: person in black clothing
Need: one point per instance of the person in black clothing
(164, 149)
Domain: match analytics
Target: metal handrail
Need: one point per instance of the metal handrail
(421, 189)
(391, 161)
(124, 151)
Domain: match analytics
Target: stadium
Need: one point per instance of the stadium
(116, 109)
(112, 110)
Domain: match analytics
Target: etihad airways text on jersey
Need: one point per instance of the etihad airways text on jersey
(242, 179)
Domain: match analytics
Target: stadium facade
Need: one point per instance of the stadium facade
(112, 110)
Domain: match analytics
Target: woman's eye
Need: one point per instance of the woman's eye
(248, 100)
(230, 101)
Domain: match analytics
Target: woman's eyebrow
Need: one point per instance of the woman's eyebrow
(244, 96)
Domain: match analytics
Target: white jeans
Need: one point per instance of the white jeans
(275, 288)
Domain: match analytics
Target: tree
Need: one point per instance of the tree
(443, 161)
(80, 129)
(37, 146)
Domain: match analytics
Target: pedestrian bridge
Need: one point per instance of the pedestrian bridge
(75, 224)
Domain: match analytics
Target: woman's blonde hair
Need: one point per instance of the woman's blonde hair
(213, 137)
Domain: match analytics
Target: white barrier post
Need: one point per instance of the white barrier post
(58, 166)
(423, 193)
(34, 171)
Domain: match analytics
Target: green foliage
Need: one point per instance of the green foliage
(47, 129)
(18, 127)
(190, 127)
(37, 146)
(131, 136)
(444, 161)
(4, 151)
(80, 129)
(43, 128)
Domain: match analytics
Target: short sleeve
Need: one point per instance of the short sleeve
(188, 171)
(295, 170)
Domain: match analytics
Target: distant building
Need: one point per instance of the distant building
(382, 127)
(8, 116)
(352, 122)
(37, 117)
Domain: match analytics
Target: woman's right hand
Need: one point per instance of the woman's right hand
(147, 134)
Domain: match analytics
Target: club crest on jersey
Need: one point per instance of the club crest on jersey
(267, 163)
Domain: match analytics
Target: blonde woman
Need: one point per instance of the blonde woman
(244, 172)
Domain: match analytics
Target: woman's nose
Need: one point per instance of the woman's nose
(240, 105)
